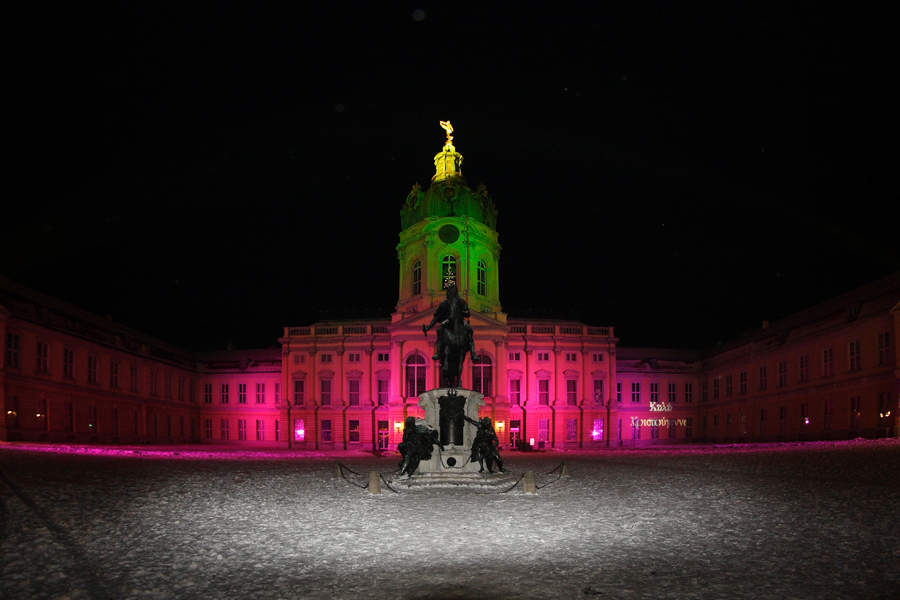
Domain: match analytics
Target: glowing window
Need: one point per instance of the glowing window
(481, 278)
(448, 271)
(417, 278)
(299, 430)
(415, 375)
(483, 375)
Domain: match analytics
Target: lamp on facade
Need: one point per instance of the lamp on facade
(398, 426)
(500, 425)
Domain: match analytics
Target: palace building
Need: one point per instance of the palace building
(829, 372)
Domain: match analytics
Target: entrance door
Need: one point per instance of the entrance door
(383, 435)
(515, 434)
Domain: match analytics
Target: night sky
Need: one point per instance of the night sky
(209, 174)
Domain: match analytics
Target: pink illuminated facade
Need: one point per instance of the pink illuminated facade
(830, 372)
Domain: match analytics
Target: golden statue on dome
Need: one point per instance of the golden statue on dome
(449, 129)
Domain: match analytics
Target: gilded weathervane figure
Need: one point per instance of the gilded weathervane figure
(449, 129)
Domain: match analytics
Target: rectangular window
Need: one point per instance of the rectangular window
(68, 363)
(715, 426)
(168, 384)
(69, 414)
(181, 384)
(654, 431)
(543, 392)
(782, 374)
(224, 424)
(689, 428)
(515, 357)
(42, 420)
(92, 369)
(353, 357)
(353, 431)
(515, 391)
(855, 412)
(277, 393)
(763, 379)
(885, 355)
(42, 358)
(326, 392)
(804, 415)
(353, 389)
(854, 356)
(828, 362)
(743, 382)
(729, 388)
(671, 393)
(543, 430)
(92, 419)
(133, 378)
(299, 359)
(207, 428)
(326, 430)
(384, 357)
(571, 357)
(168, 425)
(543, 356)
(829, 414)
(635, 391)
(242, 393)
(113, 374)
(260, 430)
(619, 430)
(654, 392)
(728, 425)
(135, 422)
(299, 392)
(804, 368)
(598, 391)
(242, 430)
(597, 431)
(154, 379)
(115, 421)
(782, 419)
(277, 432)
(635, 429)
(571, 430)
(688, 392)
(743, 423)
(671, 433)
(260, 393)
(383, 391)
(224, 393)
(571, 392)
(12, 350)
(762, 421)
(207, 393)
(703, 391)
(597, 357)
(716, 388)
(618, 391)
(326, 358)
(299, 430)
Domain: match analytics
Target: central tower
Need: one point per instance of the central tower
(448, 236)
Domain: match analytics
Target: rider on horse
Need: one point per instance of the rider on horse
(452, 310)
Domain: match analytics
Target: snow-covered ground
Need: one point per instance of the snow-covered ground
(817, 520)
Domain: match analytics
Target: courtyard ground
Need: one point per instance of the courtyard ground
(815, 520)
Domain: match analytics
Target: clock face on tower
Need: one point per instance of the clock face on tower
(448, 234)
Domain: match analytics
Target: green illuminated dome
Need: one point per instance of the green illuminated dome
(449, 235)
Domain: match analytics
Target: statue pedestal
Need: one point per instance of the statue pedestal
(455, 458)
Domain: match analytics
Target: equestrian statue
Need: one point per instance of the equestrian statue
(454, 337)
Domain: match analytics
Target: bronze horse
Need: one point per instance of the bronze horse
(454, 337)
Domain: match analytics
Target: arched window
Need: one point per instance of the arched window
(482, 278)
(415, 375)
(417, 278)
(483, 375)
(448, 271)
